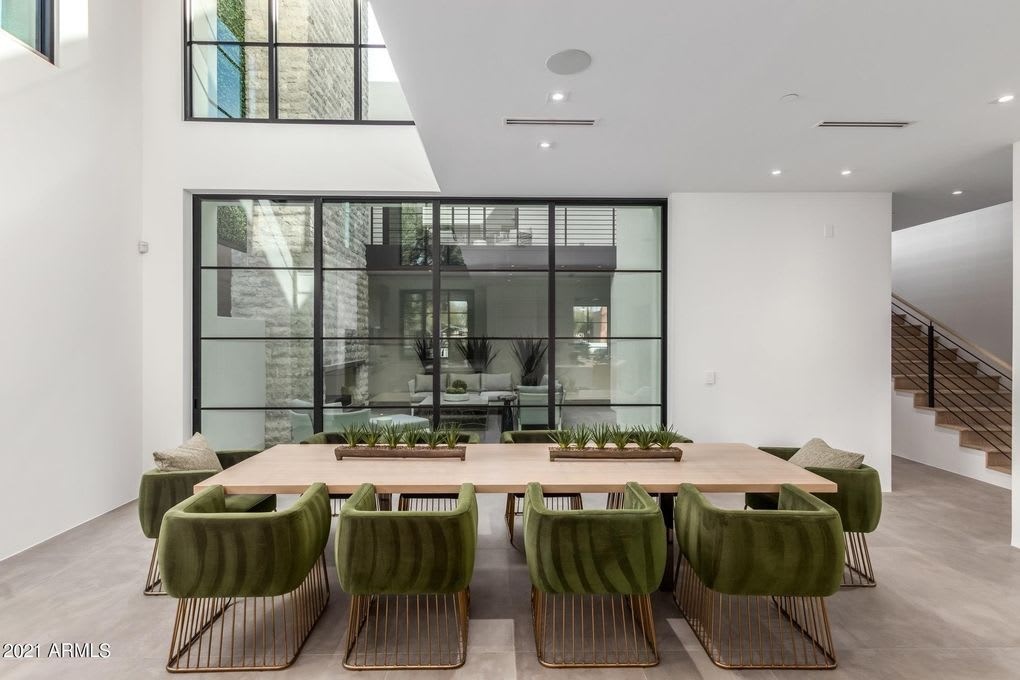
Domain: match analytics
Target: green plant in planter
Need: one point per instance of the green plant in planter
(353, 434)
(563, 438)
(645, 437)
(423, 350)
(414, 435)
(601, 434)
(452, 435)
(621, 436)
(478, 352)
(457, 387)
(666, 437)
(433, 438)
(371, 436)
(530, 354)
(582, 433)
(391, 436)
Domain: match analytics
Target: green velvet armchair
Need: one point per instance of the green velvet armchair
(515, 501)
(159, 491)
(752, 583)
(250, 585)
(858, 501)
(607, 563)
(408, 574)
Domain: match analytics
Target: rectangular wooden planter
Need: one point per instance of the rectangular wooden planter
(402, 451)
(673, 453)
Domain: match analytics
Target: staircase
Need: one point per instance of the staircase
(972, 393)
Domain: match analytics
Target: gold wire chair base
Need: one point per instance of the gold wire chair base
(247, 633)
(153, 582)
(515, 507)
(614, 500)
(410, 632)
(384, 500)
(426, 502)
(755, 631)
(574, 631)
(857, 572)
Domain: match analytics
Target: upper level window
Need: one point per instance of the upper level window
(31, 22)
(289, 61)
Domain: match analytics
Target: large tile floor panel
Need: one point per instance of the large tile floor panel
(947, 603)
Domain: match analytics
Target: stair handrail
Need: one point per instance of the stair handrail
(965, 343)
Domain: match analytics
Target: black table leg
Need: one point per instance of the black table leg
(666, 505)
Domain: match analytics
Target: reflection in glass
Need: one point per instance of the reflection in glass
(495, 236)
(383, 97)
(229, 81)
(315, 21)
(608, 237)
(258, 233)
(265, 303)
(624, 416)
(377, 236)
(230, 20)
(316, 83)
(497, 304)
(608, 304)
(609, 371)
(251, 429)
(359, 372)
(256, 373)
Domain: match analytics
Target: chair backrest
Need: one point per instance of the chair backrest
(159, 491)
(595, 551)
(796, 550)
(405, 553)
(527, 437)
(205, 551)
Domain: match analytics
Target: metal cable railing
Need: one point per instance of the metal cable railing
(954, 377)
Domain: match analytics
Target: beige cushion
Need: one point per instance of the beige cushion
(472, 380)
(194, 454)
(496, 382)
(423, 383)
(816, 453)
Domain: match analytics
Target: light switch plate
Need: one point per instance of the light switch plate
(709, 377)
(830, 231)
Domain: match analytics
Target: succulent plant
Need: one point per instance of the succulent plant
(581, 436)
(601, 435)
(621, 436)
(562, 438)
(433, 438)
(371, 436)
(666, 437)
(459, 385)
(414, 435)
(353, 434)
(391, 436)
(645, 437)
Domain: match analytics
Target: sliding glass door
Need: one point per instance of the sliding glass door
(312, 314)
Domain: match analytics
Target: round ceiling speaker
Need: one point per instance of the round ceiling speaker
(568, 62)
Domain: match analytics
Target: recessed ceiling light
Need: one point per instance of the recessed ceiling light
(957, 192)
(846, 172)
(557, 96)
(777, 171)
(544, 145)
(1005, 99)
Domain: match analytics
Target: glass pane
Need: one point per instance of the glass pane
(624, 416)
(494, 304)
(606, 237)
(370, 31)
(229, 81)
(377, 236)
(258, 233)
(495, 236)
(20, 18)
(335, 420)
(609, 371)
(254, 429)
(601, 305)
(230, 20)
(316, 21)
(492, 367)
(377, 304)
(383, 97)
(316, 83)
(275, 373)
(257, 302)
(361, 373)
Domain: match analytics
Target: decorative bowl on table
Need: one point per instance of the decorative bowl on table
(457, 392)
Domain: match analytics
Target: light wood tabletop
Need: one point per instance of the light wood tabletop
(505, 468)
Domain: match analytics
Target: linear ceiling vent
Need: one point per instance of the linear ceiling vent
(864, 124)
(582, 122)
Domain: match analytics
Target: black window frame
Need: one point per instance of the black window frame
(45, 31)
(436, 269)
(272, 44)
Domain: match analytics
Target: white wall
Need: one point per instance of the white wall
(915, 436)
(960, 270)
(795, 325)
(181, 157)
(1015, 354)
(69, 190)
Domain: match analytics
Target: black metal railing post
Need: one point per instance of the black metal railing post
(931, 365)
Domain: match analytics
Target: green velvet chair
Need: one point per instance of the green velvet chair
(752, 583)
(250, 585)
(159, 491)
(592, 574)
(859, 503)
(515, 501)
(435, 501)
(408, 575)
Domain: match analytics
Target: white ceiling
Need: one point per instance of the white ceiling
(687, 96)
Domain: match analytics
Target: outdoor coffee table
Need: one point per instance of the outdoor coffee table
(401, 421)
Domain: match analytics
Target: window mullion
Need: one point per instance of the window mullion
(357, 61)
(274, 90)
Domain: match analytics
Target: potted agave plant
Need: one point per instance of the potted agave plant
(603, 441)
(393, 442)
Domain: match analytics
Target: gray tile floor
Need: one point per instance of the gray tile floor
(947, 604)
